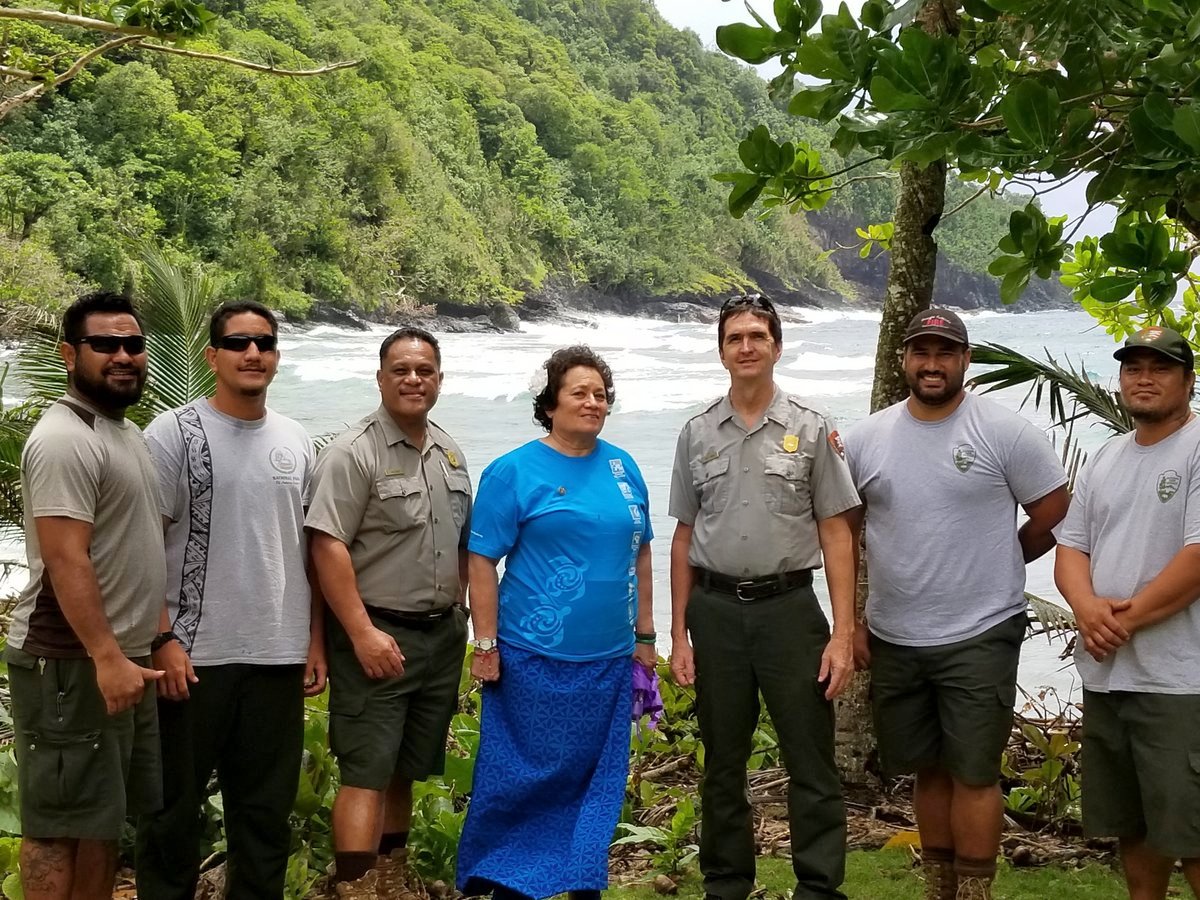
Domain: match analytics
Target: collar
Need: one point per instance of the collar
(777, 409)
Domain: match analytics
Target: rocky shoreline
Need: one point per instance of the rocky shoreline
(559, 300)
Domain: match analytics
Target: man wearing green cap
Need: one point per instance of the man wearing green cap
(1128, 563)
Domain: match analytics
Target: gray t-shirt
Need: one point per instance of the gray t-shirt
(234, 493)
(79, 464)
(1133, 510)
(941, 501)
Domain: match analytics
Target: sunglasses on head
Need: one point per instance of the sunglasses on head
(133, 344)
(748, 301)
(240, 342)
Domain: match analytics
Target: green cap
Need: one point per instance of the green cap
(1167, 341)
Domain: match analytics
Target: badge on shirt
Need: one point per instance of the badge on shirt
(390, 472)
(452, 458)
(835, 441)
(791, 443)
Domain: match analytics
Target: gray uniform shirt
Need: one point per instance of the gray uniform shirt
(1133, 510)
(941, 502)
(234, 493)
(80, 464)
(754, 496)
(403, 511)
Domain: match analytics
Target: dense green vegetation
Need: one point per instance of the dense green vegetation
(479, 147)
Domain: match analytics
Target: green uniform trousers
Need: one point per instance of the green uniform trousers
(246, 722)
(771, 646)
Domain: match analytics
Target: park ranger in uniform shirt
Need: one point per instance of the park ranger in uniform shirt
(389, 522)
(761, 493)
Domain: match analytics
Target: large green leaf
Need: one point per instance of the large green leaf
(1111, 288)
(1032, 112)
(747, 42)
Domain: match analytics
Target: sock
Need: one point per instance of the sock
(392, 840)
(966, 867)
(351, 865)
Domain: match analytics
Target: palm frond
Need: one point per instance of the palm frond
(39, 365)
(1070, 393)
(15, 425)
(175, 302)
(1056, 621)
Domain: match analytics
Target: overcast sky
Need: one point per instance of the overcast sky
(703, 17)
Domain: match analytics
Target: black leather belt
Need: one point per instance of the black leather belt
(411, 619)
(750, 589)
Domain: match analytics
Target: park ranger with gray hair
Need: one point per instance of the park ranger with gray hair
(761, 493)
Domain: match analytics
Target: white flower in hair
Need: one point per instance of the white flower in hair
(538, 380)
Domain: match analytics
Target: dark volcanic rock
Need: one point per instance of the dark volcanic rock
(324, 314)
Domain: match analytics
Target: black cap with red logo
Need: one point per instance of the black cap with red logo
(937, 322)
(1165, 341)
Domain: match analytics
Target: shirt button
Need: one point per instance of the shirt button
(435, 520)
(745, 503)
(743, 537)
(745, 468)
(438, 554)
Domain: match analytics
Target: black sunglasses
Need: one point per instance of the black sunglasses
(748, 301)
(240, 342)
(108, 344)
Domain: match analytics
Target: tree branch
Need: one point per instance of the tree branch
(979, 193)
(12, 72)
(37, 90)
(252, 66)
(59, 18)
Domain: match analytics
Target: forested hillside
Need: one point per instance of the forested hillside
(481, 146)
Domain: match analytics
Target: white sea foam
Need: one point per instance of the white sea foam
(826, 362)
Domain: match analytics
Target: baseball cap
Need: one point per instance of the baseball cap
(938, 322)
(1167, 341)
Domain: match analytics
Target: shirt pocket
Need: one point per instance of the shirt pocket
(786, 485)
(459, 484)
(711, 482)
(402, 502)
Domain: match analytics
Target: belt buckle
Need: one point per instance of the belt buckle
(737, 590)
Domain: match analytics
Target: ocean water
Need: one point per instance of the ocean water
(664, 373)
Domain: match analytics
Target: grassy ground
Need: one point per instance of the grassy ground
(890, 875)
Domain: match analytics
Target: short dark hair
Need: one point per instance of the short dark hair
(758, 304)
(231, 308)
(557, 366)
(410, 331)
(74, 321)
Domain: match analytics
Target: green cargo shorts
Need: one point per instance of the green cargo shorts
(948, 707)
(381, 728)
(1141, 769)
(80, 771)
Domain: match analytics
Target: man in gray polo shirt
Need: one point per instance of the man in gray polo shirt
(761, 494)
(941, 475)
(1128, 562)
(390, 519)
(86, 733)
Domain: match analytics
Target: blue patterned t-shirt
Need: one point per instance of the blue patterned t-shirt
(569, 529)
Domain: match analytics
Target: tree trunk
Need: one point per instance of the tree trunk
(909, 290)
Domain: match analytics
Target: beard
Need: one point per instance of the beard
(935, 396)
(1154, 415)
(110, 396)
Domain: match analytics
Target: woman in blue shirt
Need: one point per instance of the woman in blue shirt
(569, 514)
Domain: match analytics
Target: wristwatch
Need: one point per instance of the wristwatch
(162, 639)
(484, 645)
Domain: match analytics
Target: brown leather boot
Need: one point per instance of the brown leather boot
(938, 868)
(365, 888)
(974, 887)
(397, 880)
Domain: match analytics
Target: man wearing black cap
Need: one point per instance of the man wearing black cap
(1128, 562)
(941, 475)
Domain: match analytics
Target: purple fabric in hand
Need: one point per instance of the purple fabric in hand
(647, 700)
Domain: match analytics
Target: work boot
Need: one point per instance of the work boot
(973, 887)
(397, 880)
(365, 888)
(941, 882)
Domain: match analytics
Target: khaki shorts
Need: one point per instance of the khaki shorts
(380, 728)
(1141, 769)
(948, 707)
(80, 771)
